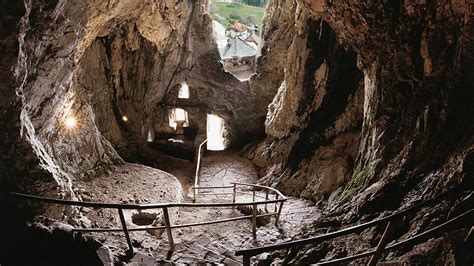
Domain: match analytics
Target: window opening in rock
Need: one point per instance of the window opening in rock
(237, 32)
(178, 118)
(183, 91)
(215, 133)
(150, 137)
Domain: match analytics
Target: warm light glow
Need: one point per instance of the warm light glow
(184, 91)
(124, 118)
(215, 133)
(70, 122)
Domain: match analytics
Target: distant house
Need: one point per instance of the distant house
(237, 53)
(239, 46)
(237, 29)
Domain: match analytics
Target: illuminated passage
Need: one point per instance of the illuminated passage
(215, 133)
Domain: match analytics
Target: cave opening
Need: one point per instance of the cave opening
(178, 119)
(183, 91)
(216, 140)
(238, 35)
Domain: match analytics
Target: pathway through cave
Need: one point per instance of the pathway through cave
(202, 244)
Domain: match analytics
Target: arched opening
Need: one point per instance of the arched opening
(178, 118)
(215, 133)
(183, 91)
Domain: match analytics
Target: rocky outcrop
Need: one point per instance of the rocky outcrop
(372, 114)
(364, 73)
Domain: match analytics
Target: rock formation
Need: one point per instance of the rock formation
(374, 111)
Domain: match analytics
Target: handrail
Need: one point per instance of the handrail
(139, 206)
(165, 206)
(198, 167)
(146, 228)
(262, 187)
(248, 253)
(279, 199)
(442, 228)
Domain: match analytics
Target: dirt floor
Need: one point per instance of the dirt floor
(215, 243)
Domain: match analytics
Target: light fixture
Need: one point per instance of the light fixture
(125, 119)
(70, 122)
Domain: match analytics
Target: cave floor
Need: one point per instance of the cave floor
(200, 244)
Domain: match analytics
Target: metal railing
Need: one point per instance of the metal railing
(198, 168)
(390, 222)
(278, 200)
(272, 196)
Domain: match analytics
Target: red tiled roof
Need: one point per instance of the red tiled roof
(239, 26)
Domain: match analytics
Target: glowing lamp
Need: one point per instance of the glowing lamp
(70, 122)
(124, 119)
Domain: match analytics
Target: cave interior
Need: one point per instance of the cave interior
(120, 115)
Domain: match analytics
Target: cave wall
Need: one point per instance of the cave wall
(314, 122)
(19, 166)
(99, 61)
(375, 92)
(373, 115)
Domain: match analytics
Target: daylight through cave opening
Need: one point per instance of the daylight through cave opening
(215, 133)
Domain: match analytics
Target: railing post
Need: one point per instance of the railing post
(276, 198)
(254, 215)
(277, 219)
(168, 230)
(254, 221)
(125, 230)
(233, 194)
(382, 243)
(246, 260)
(266, 199)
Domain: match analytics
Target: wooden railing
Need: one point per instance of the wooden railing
(278, 200)
(390, 222)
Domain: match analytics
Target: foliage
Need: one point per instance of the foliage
(228, 13)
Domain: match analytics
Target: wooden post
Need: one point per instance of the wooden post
(276, 198)
(254, 221)
(168, 228)
(233, 194)
(125, 231)
(266, 199)
(253, 196)
(194, 194)
(277, 219)
(381, 245)
(246, 260)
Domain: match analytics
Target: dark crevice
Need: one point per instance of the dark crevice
(341, 64)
